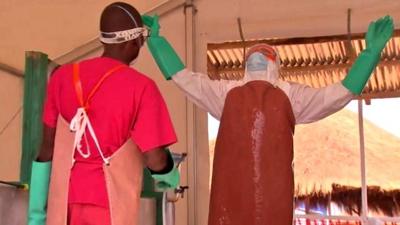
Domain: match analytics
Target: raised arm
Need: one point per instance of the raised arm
(311, 104)
(204, 92)
(379, 33)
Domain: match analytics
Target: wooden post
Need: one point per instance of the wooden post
(34, 93)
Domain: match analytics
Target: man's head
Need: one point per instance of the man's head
(122, 31)
(262, 62)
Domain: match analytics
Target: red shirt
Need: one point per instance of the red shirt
(126, 105)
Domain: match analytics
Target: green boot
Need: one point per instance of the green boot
(38, 192)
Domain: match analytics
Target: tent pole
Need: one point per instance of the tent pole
(189, 12)
(364, 199)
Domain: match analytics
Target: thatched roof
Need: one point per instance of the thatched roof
(315, 61)
(380, 201)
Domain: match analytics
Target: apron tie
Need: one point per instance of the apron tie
(80, 122)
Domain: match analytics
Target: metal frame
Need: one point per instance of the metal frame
(364, 194)
(191, 115)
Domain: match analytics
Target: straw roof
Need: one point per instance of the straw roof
(316, 61)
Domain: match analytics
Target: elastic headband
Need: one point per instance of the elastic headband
(123, 35)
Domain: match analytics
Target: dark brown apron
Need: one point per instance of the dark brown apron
(252, 181)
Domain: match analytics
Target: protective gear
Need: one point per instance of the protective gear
(262, 63)
(267, 50)
(260, 143)
(266, 112)
(256, 62)
(378, 35)
(80, 122)
(169, 180)
(38, 193)
(165, 56)
(309, 104)
(124, 35)
(123, 188)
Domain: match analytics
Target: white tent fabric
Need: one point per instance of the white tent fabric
(56, 27)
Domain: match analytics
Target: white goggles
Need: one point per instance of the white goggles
(124, 35)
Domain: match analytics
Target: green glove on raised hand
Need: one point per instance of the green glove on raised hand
(163, 53)
(38, 192)
(168, 180)
(379, 33)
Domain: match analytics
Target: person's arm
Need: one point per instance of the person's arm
(311, 104)
(157, 160)
(40, 179)
(379, 33)
(47, 146)
(41, 165)
(160, 163)
(206, 93)
(152, 132)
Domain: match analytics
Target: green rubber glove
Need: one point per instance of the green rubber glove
(38, 192)
(379, 33)
(163, 53)
(168, 180)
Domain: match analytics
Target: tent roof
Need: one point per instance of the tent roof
(316, 61)
(53, 27)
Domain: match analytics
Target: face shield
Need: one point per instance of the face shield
(262, 63)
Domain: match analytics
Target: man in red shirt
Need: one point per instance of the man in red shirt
(114, 112)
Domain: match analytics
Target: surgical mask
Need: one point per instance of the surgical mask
(258, 67)
(256, 62)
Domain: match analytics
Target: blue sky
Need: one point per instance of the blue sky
(384, 113)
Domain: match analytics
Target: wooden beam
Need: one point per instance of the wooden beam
(289, 41)
(302, 69)
(369, 96)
